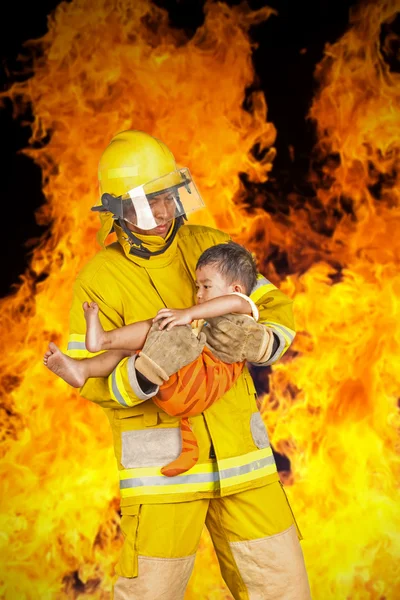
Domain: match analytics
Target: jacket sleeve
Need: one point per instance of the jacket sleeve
(276, 313)
(122, 388)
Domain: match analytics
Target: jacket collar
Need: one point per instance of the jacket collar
(153, 243)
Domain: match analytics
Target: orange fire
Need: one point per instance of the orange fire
(105, 66)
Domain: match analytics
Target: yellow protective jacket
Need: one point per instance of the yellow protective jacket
(128, 289)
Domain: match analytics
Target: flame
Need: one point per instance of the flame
(333, 409)
(106, 66)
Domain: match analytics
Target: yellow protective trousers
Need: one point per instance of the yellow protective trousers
(254, 534)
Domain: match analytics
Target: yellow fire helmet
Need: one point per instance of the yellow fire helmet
(140, 184)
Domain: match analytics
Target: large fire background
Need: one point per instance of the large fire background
(288, 116)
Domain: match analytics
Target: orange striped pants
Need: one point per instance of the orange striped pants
(189, 392)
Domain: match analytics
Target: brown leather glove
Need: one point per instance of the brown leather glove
(235, 338)
(165, 352)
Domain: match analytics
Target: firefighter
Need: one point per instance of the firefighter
(234, 489)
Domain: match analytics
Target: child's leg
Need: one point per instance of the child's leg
(131, 337)
(189, 454)
(76, 372)
(190, 392)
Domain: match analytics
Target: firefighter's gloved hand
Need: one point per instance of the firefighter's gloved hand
(235, 338)
(165, 352)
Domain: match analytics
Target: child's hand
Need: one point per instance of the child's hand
(169, 317)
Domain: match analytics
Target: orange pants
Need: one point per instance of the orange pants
(190, 392)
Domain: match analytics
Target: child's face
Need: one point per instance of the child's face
(210, 284)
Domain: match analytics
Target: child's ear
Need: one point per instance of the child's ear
(238, 288)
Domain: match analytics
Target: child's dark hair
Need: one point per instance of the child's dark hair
(233, 262)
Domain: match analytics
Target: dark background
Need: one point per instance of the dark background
(289, 47)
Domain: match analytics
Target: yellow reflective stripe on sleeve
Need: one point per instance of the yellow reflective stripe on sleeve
(287, 333)
(76, 346)
(208, 477)
(263, 286)
(76, 342)
(77, 337)
(117, 388)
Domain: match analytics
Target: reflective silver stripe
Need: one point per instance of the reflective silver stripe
(76, 346)
(281, 328)
(162, 480)
(198, 478)
(253, 466)
(116, 391)
(260, 283)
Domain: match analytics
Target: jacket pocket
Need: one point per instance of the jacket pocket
(150, 447)
(127, 565)
(144, 415)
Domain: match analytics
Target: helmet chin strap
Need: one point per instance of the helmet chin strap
(137, 248)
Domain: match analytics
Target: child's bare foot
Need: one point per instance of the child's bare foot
(69, 369)
(95, 334)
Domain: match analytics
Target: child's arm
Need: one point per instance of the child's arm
(223, 305)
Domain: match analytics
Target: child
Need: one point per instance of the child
(225, 275)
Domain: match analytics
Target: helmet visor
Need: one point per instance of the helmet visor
(160, 201)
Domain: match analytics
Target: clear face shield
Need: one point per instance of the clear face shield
(158, 202)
